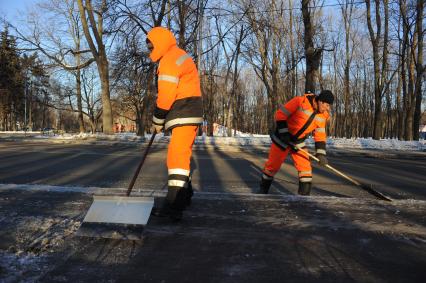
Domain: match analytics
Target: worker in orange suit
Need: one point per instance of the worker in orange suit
(294, 121)
(178, 109)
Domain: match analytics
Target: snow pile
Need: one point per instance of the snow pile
(98, 136)
(222, 131)
(20, 132)
(336, 143)
(234, 141)
(376, 144)
(241, 139)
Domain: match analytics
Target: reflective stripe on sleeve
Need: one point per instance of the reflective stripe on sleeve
(307, 112)
(321, 151)
(284, 130)
(320, 130)
(167, 78)
(284, 110)
(157, 121)
(319, 119)
(182, 59)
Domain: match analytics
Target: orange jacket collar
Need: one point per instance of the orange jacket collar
(162, 39)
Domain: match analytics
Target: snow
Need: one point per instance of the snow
(241, 139)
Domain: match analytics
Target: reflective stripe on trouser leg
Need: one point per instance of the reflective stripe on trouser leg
(275, 159)
(178, 178)
(178, 160)
(176, 182)
(303, 166)
(177, 194)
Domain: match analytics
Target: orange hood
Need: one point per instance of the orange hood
(163, 40)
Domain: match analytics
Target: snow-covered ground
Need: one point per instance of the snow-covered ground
(240, 140)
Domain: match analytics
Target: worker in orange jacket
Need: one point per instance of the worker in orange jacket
(178, 109)
(294, 121)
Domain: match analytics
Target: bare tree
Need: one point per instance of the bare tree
(97, 47)
(347, 11)
(133, 73)
(50, 39)
(265, 51)
(380, 61)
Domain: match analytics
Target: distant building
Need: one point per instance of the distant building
(124, 127)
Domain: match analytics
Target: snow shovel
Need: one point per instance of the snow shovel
(118, 217)
(365, 187)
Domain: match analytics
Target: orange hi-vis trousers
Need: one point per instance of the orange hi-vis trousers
(179, 153)
(300, 160)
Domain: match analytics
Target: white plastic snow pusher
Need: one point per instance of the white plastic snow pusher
(118, 217)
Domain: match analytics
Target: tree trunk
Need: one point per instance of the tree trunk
(106, 102)
(99, 53)
(79, 101)
(312, 54)
(379, 72)
(420, 69)
(410, 94)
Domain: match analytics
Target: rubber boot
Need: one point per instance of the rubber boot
(172, 206)
(186, 194)
(304, 188)
(265, 184)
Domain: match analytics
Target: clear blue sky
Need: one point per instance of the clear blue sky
(10, 8)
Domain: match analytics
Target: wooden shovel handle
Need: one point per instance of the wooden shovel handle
(135, 176)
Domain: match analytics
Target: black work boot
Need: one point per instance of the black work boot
(265, 184)
(187, 193)
(166, 210)
(304, 188)
(172, 206)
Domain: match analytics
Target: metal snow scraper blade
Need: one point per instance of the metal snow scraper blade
(118, 217)
(367, 188)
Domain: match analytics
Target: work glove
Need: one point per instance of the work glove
(156, 128)
(287, 139)
(322, 159)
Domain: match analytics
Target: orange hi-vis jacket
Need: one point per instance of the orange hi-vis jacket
(299, 118)
(179, 100)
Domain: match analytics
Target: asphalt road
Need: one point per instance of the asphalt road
(401, 176)
(340, 234)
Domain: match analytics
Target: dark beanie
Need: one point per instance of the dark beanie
(326, 96)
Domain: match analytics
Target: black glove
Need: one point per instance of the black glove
(322, 159)
(285, 137)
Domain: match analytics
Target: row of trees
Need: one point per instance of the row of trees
(23, 88)
(252, 55)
